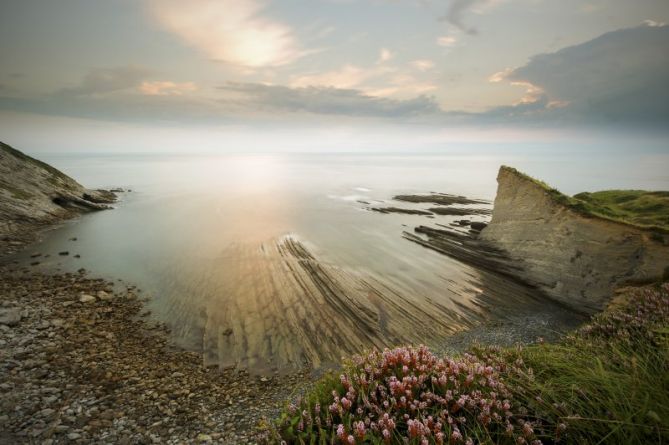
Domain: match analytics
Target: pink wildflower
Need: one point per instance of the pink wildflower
(360, 429)
(386, 435)
(341, 432)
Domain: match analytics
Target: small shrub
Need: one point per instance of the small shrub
(409, 395)
(644, 310)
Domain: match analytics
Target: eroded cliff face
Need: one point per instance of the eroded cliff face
(34, 194)
(575, 259)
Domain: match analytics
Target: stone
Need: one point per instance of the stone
(51, 399)
(478, 225)
(10, 316)
(104, 296)
(47, 412)
(85, 298)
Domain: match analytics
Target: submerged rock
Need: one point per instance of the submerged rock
(439, 198)
(478, 226)
(401, 210)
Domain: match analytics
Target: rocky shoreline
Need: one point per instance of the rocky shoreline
(80, 362)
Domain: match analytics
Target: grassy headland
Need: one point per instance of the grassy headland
(607, 382)
(639, 208)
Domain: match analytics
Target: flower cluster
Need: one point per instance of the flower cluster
(637, 317)
(409, 395)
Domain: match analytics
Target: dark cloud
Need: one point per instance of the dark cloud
(121, 107)
(106, 80)
(620, 76)
(238, 101)
(320, 100)
(457, 9)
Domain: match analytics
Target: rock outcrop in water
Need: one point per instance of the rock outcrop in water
(573, 257)
(33, 195)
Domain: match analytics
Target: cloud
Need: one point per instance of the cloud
(124, 93)
(231, 31)
(447, 41)
(500, 75)
(385, 55)
(459, 8)
(620, 76)
(164, 101)
(348, 76)
(422, 64)
(107, 80)
(653, 23)
(324, 100)
(166, 88)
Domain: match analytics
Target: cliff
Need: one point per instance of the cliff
(34, 195)
(571, 254)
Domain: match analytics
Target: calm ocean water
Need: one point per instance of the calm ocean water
(196, 233)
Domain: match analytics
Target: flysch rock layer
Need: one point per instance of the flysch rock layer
(34, 195)
(574, 258)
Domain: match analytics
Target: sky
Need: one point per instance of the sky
(310, 75)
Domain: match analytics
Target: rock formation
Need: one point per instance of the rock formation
(34, 194)
(573, 257)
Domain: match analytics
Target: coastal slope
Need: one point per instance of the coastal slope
(572, 255)
(34, 195)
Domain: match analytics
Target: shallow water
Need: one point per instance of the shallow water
(271, 261)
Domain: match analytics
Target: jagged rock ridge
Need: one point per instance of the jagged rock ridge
(33, 194)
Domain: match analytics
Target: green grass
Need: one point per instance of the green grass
(633, 206)
(614, 393)
(643, 209)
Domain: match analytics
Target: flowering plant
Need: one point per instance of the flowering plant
(606, 380)
(409, 395)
